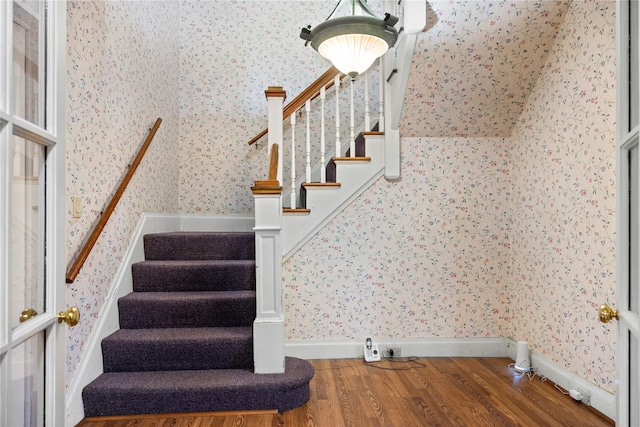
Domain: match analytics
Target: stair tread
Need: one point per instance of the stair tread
(185, 309)
(180, 334)
(124, 393)
(321, 184)
(190, 295)
(168, 349)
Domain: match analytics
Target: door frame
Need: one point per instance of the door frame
(54, 138)
(626, 140)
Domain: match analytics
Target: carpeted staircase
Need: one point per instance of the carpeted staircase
(186, 343)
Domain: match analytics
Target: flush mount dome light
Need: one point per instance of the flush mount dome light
(352, 43)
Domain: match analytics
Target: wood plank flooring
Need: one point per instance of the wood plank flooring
(401, 393)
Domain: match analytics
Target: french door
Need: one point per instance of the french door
(628, 215)
(32, 250)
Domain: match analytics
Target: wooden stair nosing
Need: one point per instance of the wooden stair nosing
(298, 211)
(321, 184)
(351, 159)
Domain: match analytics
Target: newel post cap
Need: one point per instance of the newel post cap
(275, 92)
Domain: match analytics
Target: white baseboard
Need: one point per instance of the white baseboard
(601, 400)
(427, 347)
(90, 366)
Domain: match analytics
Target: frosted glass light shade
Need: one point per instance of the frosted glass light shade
(352, 43)
(353, 53)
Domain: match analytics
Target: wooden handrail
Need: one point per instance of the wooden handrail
(310, 93)
(82, 256)
(273, 164)
(271, 185)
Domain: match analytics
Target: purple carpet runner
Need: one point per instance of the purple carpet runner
(186, 343)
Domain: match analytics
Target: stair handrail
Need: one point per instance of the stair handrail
(312, 91)
(84, 252)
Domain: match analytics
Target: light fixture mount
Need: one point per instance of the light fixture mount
(353, 42)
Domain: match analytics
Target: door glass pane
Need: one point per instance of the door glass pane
(634, 79)
(27, 378)
(27, 230)
(28, 63)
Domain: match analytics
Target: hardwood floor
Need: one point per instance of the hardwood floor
(423, 392)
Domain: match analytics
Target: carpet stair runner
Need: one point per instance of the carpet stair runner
(185, 342)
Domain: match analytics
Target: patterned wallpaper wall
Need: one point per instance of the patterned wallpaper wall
(424, 257)
(230, 52)
(562, 198)
(122, 75)
(448, 251)
(486, 237)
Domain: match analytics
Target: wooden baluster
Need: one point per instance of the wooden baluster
(293, 161)
(323, 169)
(307, 109)
(367, 113)
(352, 125)
(381, 98)
(337, 85)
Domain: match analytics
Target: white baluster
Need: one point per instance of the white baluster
(367, 113)
(381, 98)
(307, 109)
(336, 83)
(323, 169)
(352, 125)
(293, 160)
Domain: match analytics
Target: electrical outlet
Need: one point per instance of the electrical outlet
(393, 352)
(586, 397)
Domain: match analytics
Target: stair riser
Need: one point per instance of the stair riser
(168, 400)
(157, 276)
(175, 313)
(199, 246)
(126, 356)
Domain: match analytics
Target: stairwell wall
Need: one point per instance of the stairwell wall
(563, 200)
(122, 75)
(230, 52)
(486, 237)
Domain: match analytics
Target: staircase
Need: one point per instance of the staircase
(346, 178)
(185, 341)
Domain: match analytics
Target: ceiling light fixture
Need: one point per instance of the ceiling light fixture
(353, 42)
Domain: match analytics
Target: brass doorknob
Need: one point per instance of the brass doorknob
(70, 317)
(27, 314)
(606, 313)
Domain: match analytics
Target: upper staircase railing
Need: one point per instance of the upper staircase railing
(317, 113)
(326, 80)
(84, 252)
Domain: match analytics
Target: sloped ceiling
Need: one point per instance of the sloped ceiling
(473, 71)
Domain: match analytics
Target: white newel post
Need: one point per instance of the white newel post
(268, 328)
(275, 99)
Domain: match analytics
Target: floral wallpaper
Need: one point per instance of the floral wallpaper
(222, 84)
(424, 257)
(473, 71)
(494, 237)
(501, 225)
(122, 75)
(562, 200)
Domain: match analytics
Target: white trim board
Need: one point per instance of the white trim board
(90, 366)
(601, 400)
